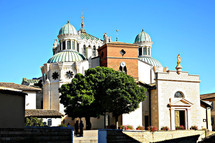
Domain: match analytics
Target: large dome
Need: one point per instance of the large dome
(66, 56)
(68, 29)
(150, 60)
(142, 37)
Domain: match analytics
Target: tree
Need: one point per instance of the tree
(101, 90)
(77, 97)
(115, 92)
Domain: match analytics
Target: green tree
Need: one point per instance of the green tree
(78, 97)
(34, 121)
(101, 90)
(115, 92)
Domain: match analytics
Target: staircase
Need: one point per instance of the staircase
(89, 136)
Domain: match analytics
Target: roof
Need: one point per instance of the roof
(208, 97)
(87, 36)
(31, 82)
(150, 60)
(42, 113)
(150, 86)
(142, 37)
(66, 56)
(205, 103)
(121, 43)
(68, 29)
(11, 91)
(19, 86)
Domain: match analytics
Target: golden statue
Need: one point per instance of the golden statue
(178, 60)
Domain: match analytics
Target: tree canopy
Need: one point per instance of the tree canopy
(101, 90)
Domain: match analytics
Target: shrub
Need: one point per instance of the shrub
(152, 128)
(140, 128)
(127, 127)
(181, 127)
(34, 121)
(194, 127)
(62, 125)
(165, 128)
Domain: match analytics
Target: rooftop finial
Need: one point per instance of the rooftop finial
(117, 34)
(178, 67)
(142, 30)
(67, 21)
(82, 23)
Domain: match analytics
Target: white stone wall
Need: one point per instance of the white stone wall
(144, 71)
(133, 118)
(55, 121)
(167, 85)
(51, 86)
(30, 100)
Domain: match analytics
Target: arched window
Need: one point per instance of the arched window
(69, 44)
(77, 47)
(140, 51)
(149, 51)
(179, 94)
(73, 45)
(85, 51)
(145, 51)
(94, 51)
(122, 67)
(64, 45)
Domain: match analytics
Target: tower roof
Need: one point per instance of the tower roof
(68, 29)
(66, 56)
(150, 60)
(142, 37)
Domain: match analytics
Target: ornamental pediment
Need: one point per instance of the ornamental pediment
(180, 103)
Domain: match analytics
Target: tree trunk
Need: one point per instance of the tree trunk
(117, 123)
(88, 123)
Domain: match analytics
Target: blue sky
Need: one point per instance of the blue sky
(28, 29)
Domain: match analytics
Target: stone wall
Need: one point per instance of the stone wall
(38, 135)
(107, 136)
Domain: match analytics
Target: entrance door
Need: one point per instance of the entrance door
(180, 118)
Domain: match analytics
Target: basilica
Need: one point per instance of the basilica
(173, 96)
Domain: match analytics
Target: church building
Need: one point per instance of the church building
(173, 96)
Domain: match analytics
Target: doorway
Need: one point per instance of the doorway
(180, 118)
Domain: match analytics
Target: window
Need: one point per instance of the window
(85, 51)
(49, 122)
(68, 44)
(145, 50)
(179, 94)
(122, 52)
(94, 51)
(140, 51)
(73, 45)
(149, 51)
(77, 47)
(64, 45)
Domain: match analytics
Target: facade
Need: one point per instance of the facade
(32, 93)
(210, 97)
(173, 97)
(12, 108)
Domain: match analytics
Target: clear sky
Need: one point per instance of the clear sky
(28, 29)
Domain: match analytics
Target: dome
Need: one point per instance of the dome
(68, 29)
(150, 60)
(66, 56)
(142, 37)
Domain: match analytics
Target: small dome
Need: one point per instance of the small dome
(68, 29)
(142, 37)
(66, 56)
(150, 60)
